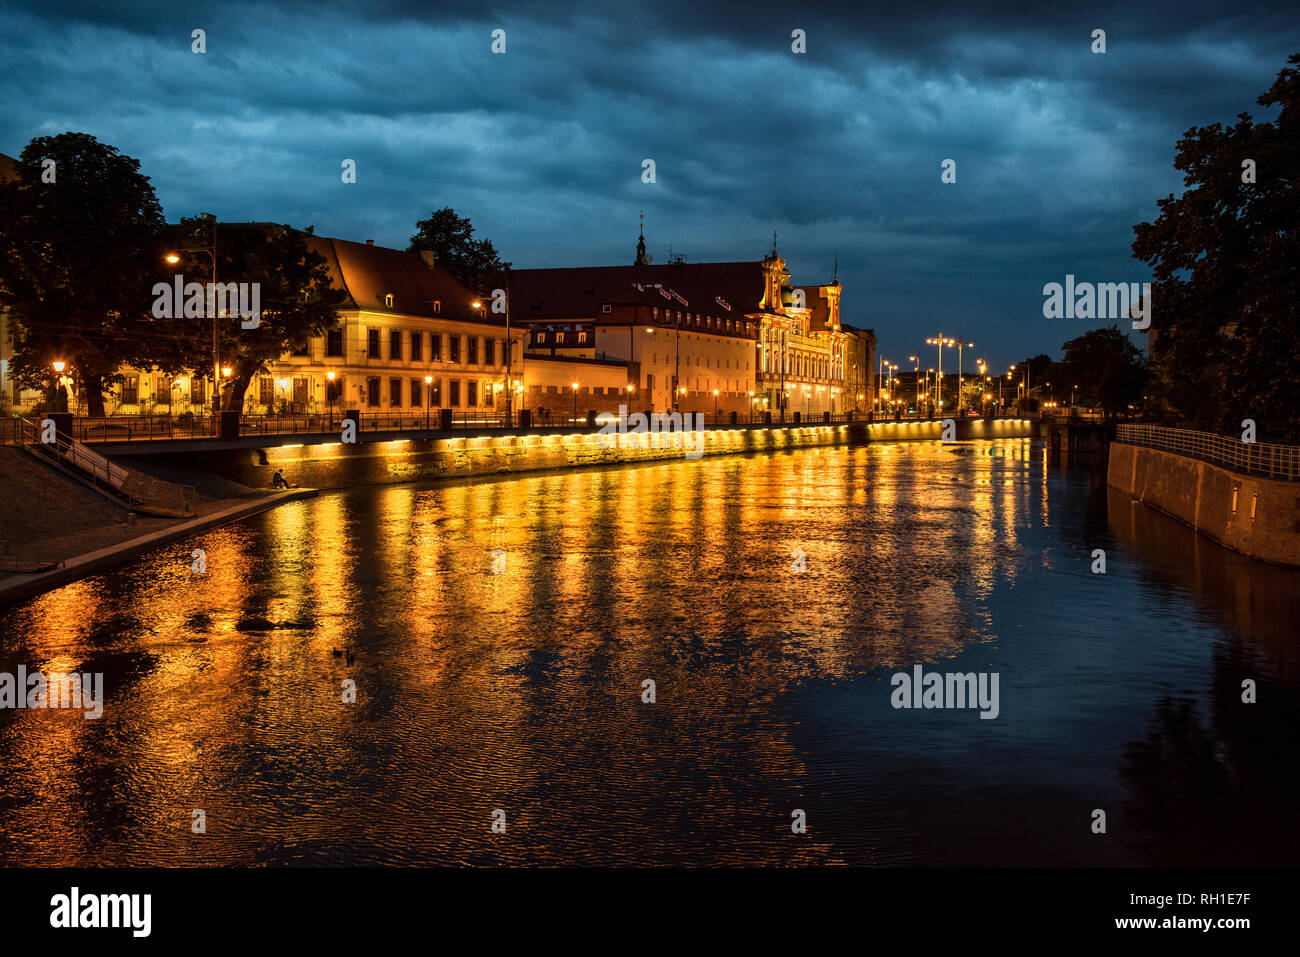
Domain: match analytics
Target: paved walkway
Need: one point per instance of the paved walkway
(125, 542)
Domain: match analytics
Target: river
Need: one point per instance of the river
(770, 598)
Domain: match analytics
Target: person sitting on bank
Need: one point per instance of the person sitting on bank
(278, 480)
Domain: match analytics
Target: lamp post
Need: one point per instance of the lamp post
(428, 399)
(58, 365)
(916, 360)
(575, 402)
(960, 343)
(211, 251)
(715, 406)
(939, 341)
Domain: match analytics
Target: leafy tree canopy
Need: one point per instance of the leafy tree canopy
(1226, 319)
(474, 262)
(79, 245)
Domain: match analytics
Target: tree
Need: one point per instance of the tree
(474, 262)
(1107, 368)
(79, 247)
(1225, 328)
(1034, 369)
(297, 300)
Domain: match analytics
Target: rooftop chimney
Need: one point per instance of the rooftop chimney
(370, 242)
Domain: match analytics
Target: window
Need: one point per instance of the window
(372, 390)
(490, 352)
(582, 337)
(559, 338)
(388, 300)
(130, 389)
(605, 309)
(303, 349)
(417, 346)
(541, 338)
(395, 345)
(334, 343)
(649, 382)
(266, 390)
(437, 305)
(471, 397)
(435, 393)
(395, 392)
(197, 390)
(417, 397)
(455, 348)
(455, 393)
(435, 347)
(372, 344)
(473, 351)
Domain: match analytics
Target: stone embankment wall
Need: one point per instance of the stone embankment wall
(1255, 516)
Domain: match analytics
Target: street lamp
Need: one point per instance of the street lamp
(428, 398)
(715, 406)
(329, 394)
(917, 373)
(960, 344)
(575, 402)
(211, 251)
(940, 341)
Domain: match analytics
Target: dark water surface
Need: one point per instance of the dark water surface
(522, 690)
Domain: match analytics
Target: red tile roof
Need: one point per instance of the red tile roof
(369, 273)
(577, 293)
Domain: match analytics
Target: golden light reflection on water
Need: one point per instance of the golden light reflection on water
(517, 688)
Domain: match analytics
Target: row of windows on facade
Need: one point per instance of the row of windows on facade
(672, 358)
(697, 320)
(560, 338)
(474, 392)
(410, 346)
(803, 365)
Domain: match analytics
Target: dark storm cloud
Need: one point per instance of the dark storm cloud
(1059, 151)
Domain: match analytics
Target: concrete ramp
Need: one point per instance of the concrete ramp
(135, 490)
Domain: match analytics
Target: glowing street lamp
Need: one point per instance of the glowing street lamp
(715, 404)
(575, 402)
(329, 395)
(428, 398)
(940, 341)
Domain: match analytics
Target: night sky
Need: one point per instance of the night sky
(1059, 151)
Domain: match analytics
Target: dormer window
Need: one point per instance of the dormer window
(388, 300)
(437, 305)
(606, 308)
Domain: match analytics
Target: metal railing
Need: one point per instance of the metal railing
(1255, 458)
(137, 489)
(146, 427)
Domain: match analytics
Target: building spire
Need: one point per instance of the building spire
(641, 258)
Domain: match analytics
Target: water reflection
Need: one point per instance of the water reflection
(521, 689)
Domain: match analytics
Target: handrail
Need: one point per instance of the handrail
(102, 472)
(1265, 459)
